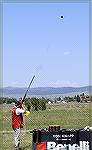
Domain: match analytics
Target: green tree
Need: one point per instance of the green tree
(28, 103)
(35, 103)
(7, 100)
(78, 98)
(42, 104)
(38, 104)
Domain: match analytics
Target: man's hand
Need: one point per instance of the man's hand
(27, 113)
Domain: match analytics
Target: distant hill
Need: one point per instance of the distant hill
(43, 90)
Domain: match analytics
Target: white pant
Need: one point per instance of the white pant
(17, 137)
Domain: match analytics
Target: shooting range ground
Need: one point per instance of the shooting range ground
(68, 115)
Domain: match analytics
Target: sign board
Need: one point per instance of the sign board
(62, 140)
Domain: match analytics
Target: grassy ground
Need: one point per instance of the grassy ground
(7, 143)
(69, 115)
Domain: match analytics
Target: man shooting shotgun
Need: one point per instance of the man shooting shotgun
(17, 117)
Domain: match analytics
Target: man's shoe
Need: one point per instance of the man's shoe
(17, 147)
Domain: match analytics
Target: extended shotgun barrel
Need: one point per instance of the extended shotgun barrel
(28, 88)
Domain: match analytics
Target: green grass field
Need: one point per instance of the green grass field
(69, 115)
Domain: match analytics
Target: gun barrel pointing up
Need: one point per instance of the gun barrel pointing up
(28, 88)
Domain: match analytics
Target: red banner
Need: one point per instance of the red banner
(41, 146)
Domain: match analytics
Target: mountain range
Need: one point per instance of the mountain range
(44, 90)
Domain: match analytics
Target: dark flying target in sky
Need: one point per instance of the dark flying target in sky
(62, 16)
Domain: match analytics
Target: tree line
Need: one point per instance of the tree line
(31, 103)
(39, 103)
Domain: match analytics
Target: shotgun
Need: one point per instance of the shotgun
(28, 88)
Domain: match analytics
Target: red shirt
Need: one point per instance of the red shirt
(17, 120)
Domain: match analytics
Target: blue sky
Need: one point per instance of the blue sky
(37, 41)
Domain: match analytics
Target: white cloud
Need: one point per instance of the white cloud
(63, 83)
(67, 53)
(14, 83)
